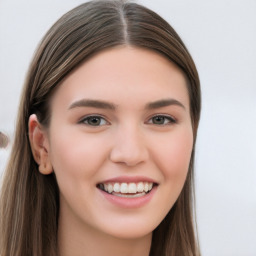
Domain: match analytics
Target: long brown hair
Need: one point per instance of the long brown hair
(29, 200)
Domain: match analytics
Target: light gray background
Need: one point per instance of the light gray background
(221, 36)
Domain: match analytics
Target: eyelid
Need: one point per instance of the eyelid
(82, 120)
(171, 119)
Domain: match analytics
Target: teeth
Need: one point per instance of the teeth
(127, 188)
(110, 188)
(130, 195)
(132, 188)
(124, 188)
(146, 186)
(116, 187)
(140, 187)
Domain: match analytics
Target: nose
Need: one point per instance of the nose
(129, 147)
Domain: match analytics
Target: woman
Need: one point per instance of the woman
(102, 161)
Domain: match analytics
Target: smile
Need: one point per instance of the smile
(124, 189)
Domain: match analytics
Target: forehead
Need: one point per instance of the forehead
(124, 72)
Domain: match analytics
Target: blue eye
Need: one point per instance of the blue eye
(162, 120)
(94, 121)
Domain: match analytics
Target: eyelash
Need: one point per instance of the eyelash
(87, 118)
(168, 120)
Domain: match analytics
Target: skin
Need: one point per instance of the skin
(127, 142)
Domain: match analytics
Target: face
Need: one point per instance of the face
(120, 141)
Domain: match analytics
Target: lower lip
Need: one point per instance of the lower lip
(127, 202)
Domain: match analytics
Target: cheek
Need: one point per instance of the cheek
(173, 156)
(77, 157)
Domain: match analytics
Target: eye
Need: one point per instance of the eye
(161, 120)
(94, 121)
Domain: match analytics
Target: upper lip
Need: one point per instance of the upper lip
(129, 179)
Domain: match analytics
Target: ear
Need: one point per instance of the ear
(39, 145)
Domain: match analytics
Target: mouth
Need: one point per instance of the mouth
(127, 189)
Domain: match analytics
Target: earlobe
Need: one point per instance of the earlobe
(39, 145)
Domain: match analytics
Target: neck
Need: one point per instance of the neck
(79, 240)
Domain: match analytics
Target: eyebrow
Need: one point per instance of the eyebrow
(93, 104)
(107, 105)
(164, 103)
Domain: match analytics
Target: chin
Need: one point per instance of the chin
(131, 230)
